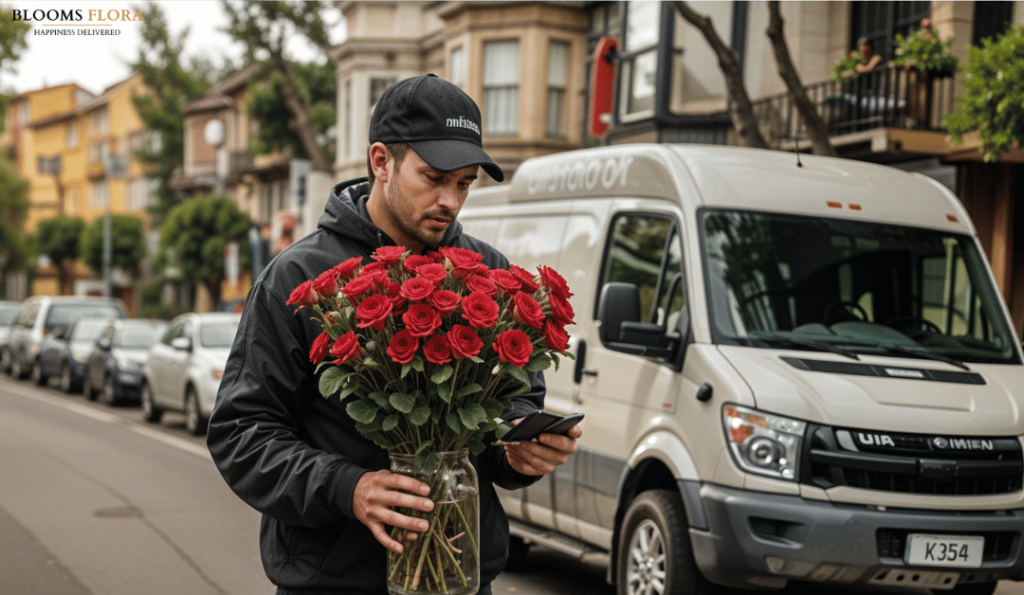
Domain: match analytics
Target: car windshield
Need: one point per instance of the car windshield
(68, 313)
(89, 330)
(140, 337)
(218, 334)
(812, 282)
(7, 316)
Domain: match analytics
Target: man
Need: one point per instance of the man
(325, 493)
(867, 52)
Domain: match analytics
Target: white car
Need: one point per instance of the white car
(184, 368)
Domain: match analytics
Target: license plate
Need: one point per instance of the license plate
(944, 550)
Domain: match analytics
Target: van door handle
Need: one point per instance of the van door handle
(581, 356)
(590, 372)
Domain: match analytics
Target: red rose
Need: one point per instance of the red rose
(435, 273)
(303, 295)
(421, 320)
(561, 310)
(479, 310)
(373, 312)
(437, 350)
(319, 350)
(481, 284)
(507, 282)
(526, 310)
(464, 342)
(326, 284)
(417, 289)
(555, 336)
(525, 277)
(553, 281)
(398, 304)
(388, 255)
(357, 287)
(462, 258)
(348, 268)
(514, 347)
(414, 261)
(403, 347)
(436, 256)
(444, 301)
(373, 266)
(346, 348)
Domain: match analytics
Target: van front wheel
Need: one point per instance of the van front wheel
(654, 549)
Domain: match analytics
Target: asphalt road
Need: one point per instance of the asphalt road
(95, 502)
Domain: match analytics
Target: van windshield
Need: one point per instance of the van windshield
(778, 280)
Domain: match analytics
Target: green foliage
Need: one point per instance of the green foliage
(316, 85)
(151, 305)
(171, 83)
(193, 237)
(14, 251)
(12, 43)
(846, 67)
(993, 102)
(923, 50)
(60, 238)
(127, 244)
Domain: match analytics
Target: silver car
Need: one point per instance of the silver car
(184, 368)
(41, 315)
(8, 314)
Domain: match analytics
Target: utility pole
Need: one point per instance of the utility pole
(117, 167)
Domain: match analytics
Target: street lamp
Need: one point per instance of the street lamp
(116, 167)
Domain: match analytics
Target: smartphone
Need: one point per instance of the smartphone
(563, 425)
(531, 426)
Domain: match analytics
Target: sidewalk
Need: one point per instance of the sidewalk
(28, 568)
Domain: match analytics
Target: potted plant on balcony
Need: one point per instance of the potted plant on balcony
(926, 58)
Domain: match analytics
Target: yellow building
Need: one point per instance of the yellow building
(81, 138)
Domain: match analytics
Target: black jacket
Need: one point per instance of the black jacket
(295, 456)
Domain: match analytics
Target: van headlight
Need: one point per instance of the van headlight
(763, 443)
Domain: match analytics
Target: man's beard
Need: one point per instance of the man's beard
(409, 223)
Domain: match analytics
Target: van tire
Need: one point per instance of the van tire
(658, 518)
(971, 589)
(39, 378)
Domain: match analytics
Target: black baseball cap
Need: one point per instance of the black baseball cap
(437, 119)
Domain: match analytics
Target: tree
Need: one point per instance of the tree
(263, 27)
(127, 244)
(59, 238)
(14, 253)
(741, 110)
(317, 85)
(193, 237)
(170, 83)
(813, 123)
(993, 101)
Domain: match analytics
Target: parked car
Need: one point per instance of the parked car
(184, 369)
(114, 366)
(65, 351)
(41, 315)
(8, 314)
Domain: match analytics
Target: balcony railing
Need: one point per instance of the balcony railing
(887, 97)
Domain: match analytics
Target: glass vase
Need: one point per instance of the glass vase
(446, 558)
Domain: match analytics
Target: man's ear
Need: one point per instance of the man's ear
(380, 160)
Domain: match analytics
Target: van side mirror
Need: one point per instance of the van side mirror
(619, 313)
(182, 343)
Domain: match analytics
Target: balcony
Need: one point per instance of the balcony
(888, 110)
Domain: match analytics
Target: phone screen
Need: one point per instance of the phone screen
(531, 426)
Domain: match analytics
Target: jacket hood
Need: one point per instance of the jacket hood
(346, 215)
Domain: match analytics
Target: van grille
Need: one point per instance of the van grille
(892, 543)
(912, 463)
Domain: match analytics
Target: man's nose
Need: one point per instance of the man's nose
(449, 197)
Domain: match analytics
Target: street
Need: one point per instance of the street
(92, 501)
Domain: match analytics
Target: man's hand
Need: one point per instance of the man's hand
(541, 457)
(377, 495)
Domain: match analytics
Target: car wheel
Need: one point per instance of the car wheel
(195, 423)
(67, 384)
(654, 556)
(17, 370)
(5, 361)
(109, 396)
(37, 373)
(150, 412)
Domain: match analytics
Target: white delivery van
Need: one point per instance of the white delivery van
(788, 372)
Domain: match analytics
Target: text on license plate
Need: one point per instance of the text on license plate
(944, 550)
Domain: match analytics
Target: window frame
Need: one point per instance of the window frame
(517, 87)
(627, 63)
(559, 132)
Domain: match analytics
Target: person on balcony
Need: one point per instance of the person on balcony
(868, 55)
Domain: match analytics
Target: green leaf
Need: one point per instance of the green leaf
(417, 363)
(405, 369)
(445, 392)
(403, 402)
(472, 415)
(541, 362)
(368, 429)
(518, 374)
(382, 441)
(426, 457)
(362, 411)
(420, 415)
(348, 390)
(476, 360)
(381, 400)
(470, 389)
(522, 389)
(441, 374)
(322, 365)
(452, 419)
(477, 446)
(331, 381)
(493, 407)
(554, 358)
(391, 422)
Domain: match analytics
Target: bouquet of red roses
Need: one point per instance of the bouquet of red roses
(427, 346)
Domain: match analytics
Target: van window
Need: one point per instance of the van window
(867, 287)
(646, 250)
(28, 316)
(68, 313)
(8, 316)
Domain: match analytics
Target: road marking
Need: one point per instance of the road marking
(110, 418)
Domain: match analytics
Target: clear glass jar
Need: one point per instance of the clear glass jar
(445, 559)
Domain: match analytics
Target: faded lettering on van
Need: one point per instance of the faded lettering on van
(584, 174)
